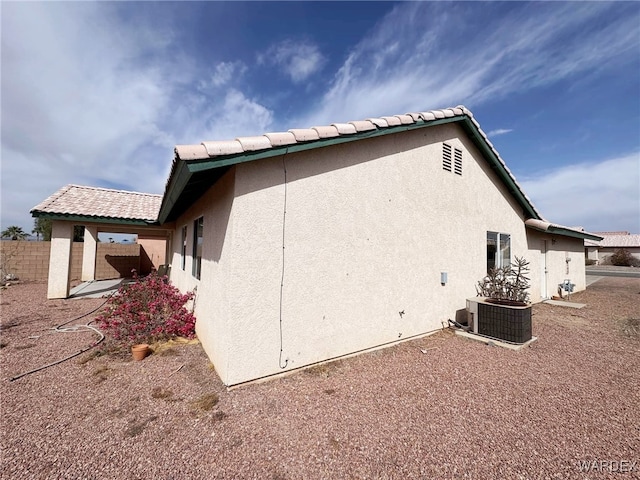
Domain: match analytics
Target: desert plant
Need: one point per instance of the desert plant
(148, 310)
(623, 258)
(508, 283)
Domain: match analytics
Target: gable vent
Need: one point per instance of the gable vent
(457, 165)
(446, 157)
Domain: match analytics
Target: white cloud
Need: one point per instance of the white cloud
(499, 131)
(78, 103)
(299, 60)
(602, 196)
(224, 72)
(424, 55)
(236, 116)
(93, 96)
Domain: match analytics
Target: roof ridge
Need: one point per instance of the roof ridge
(267, 140)
(303, 138)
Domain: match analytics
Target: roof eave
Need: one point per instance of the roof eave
(566, 232)
(186, 168)
(94, 219)
(175, 185)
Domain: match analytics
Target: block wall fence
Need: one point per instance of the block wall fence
(30, 260)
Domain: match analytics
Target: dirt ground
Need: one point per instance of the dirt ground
(438, 407)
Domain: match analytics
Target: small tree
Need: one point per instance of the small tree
(508, 283)
(14, 233)
(42, 227)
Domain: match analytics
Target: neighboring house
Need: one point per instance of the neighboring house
(316, 243)
(600, 251)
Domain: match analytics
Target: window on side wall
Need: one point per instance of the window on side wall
(196, 267)
(183, 252)
(498, 250)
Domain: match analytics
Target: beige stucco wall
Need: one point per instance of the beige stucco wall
(212, 293)
(564, 260)
(369, 227)
(153, 253)
(592, 253)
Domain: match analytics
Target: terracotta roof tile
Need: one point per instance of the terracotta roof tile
(305, 134)
(363, 125)
(188, 152)
(327, 131)
(427, 116)
(101, 202)
(379, 122)
(226, 147)
(405, 119)
(279, 139)
(259, 142)
(392, 121)
(345, 128)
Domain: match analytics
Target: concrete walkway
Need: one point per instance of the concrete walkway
(97, 288)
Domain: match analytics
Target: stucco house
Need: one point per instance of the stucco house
(311, 244)
(600, 251)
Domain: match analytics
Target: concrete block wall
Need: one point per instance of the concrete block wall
(114, 260)
(30, 260)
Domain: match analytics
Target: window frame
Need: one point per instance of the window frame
(198, 236)
(501, 252)
(183, 248)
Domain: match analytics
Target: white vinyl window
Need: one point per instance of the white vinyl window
(498, 250)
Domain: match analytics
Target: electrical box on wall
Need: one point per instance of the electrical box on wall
(443, 278)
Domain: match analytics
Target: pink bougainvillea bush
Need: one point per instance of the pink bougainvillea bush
(147, 310)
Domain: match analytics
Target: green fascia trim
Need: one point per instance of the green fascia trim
(565, 232)
(178, 182)
(200, 165)
(90, 219)
(187, 168)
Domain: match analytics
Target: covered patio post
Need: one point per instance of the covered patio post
(89, 254)
(60, 259)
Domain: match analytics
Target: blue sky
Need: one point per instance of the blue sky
(99, 93)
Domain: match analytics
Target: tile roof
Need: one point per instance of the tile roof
(103, 203)
(227, 149)
(625, 240)
(604, 234)
(206, 150)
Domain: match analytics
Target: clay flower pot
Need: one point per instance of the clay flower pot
(140, 351)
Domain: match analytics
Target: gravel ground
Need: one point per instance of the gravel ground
(463, 409)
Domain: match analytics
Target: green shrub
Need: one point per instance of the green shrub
(589, 261)
(623, 258)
